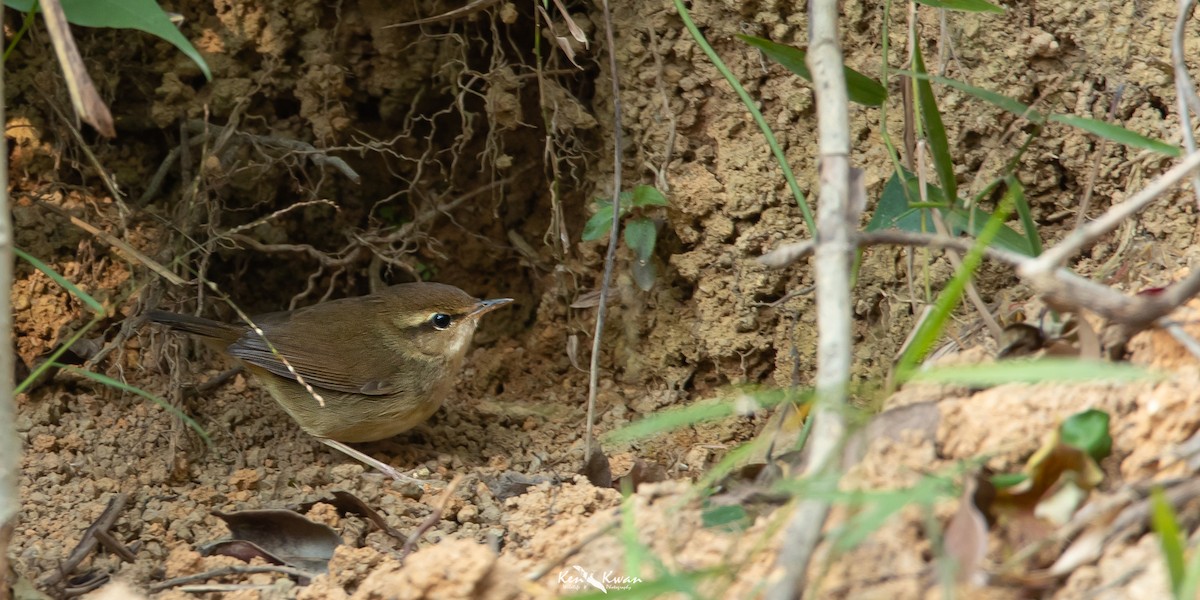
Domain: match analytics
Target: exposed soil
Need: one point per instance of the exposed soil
(473, 167)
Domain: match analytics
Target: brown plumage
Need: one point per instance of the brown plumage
(381, 363)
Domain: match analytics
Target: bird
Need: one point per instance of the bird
(357, 369)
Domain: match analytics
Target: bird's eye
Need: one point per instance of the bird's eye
(441, 321)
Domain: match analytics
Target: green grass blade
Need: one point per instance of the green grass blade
(59, 351)
(963, 5)
(669, 420)
(998, 100)
(125, 387)
(1102, 129)
(635, 551)
(1190, 586)
(751, 106)
(1118, 134)
(1025, 214)
(1167, 528)
(860, 88)
(1058, 370)
(91, 302)
(935, 130)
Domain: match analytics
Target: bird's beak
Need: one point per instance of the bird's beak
(487, 306)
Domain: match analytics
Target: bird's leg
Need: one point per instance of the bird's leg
(382, 467)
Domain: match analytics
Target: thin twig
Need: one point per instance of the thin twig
(129, 252)
(470, 8)
(834, 255)
(1117, 214)
(610, 257)
(1062, 286)
(231, 570)
(541, 571)
(10, 445)
(88, 541)
(1086, 203)
(112, 544)
(1185, 90)
(434, 517)
(318, 156)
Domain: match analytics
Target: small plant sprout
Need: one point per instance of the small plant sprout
(641, 232)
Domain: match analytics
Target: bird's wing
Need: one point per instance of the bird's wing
(335, 357)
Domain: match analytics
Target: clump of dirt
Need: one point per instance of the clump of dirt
(471, 151)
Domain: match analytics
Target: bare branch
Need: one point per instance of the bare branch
(1081, 237)
(834, 253)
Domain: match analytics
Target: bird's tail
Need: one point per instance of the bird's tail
(205, 328)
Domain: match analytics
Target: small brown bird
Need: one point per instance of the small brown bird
(357, 369)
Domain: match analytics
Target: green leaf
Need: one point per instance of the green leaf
(963, 5)
(860, 88)
(1003, 481)
(1169, 537)
(730, 517)
(959, 220)
(640, 236)
(1026, 215)
(1088, 431)
(142, 15)
(599, 225)
(935, 131)
(1118, 134)
(895, 211)
(648, 195)
(645, 272)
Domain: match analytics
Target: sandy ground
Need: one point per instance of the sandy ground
(472, 167)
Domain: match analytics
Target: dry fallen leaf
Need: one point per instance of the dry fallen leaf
(282, 534)
(967, 534)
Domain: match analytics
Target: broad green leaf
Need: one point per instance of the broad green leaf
(601, 221)
(1162, 516)
(729, 517)
(1088, 431)
(963, 5)
(1056, 370)
(935, 131)
(645, 272)
(860, 88)
(959, 221)
(598, 225)
(895, 211)
(648, 195)
(142, 15)
(1118, 134)
(640, 236)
